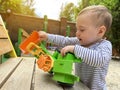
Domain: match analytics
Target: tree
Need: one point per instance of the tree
(116, 26)
(17, 6)
(8, 4)
(68, 11)
(27, 9)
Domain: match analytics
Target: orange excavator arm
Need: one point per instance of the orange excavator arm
(29, 45)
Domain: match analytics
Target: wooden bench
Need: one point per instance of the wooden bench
(22, 73)
(5, 42)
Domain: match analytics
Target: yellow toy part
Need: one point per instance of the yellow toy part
(34, 49)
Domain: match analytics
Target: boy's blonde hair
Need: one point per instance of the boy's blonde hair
(101, 15)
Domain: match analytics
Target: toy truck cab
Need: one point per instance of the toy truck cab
(63, 69)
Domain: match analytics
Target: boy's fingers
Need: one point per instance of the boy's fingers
(63, 52)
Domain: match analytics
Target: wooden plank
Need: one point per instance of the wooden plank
(7, 68)
(12, 53)
(1, 22)
(0, 59)
(2, 32)
(25, 34)
(22, 77)
(77, 86)
(5, 46)
(43, 81)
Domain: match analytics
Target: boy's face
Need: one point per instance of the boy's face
(87, 32)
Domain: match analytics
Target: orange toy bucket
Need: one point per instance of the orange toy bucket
(34, 37)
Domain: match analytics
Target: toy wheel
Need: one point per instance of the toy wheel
(50, 72)
(65, 84)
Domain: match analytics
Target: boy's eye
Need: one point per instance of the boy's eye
(81, 30)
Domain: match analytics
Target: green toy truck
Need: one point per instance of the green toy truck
(61, 67)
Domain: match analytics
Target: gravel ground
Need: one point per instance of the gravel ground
(113, 76)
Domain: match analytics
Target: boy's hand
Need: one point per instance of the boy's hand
(66, 49)
(43, 35)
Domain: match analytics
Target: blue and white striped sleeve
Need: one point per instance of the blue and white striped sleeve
(97, 57)
(61, 40)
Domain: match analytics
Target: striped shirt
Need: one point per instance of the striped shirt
(95, 60)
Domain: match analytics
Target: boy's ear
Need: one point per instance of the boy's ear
(102, 30)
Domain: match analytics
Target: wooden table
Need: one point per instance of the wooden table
(22, 73)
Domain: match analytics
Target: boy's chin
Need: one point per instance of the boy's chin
(82, 44)
(85, 45)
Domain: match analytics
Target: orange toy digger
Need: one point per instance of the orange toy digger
(34, 37)
(44, 61)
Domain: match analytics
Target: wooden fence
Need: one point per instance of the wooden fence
(29, 23)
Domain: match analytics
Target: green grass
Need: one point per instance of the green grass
(4, 58)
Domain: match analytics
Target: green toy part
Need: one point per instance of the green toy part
(63, 67)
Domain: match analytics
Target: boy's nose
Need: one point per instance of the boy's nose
(77, 33)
